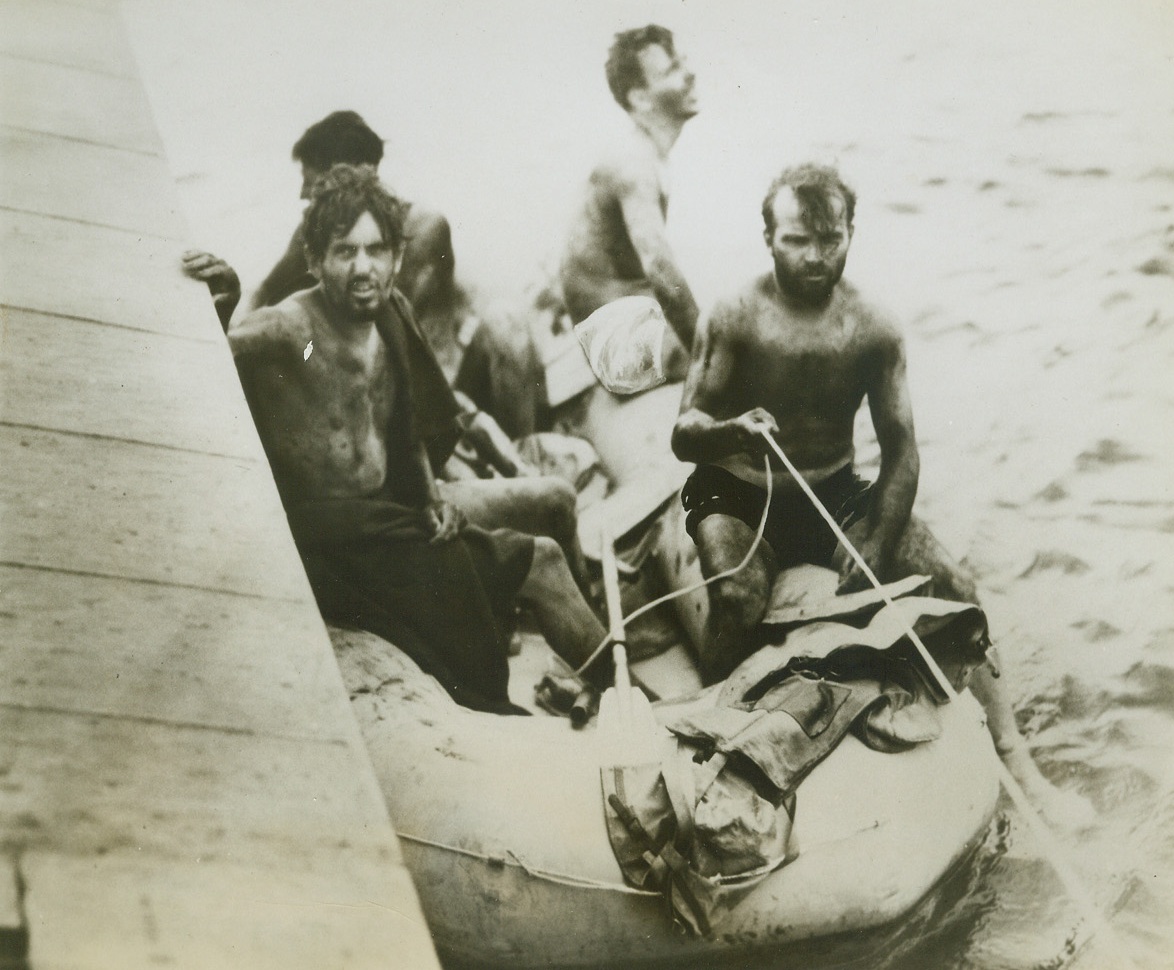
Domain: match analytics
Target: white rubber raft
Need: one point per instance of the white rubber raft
(502, 826)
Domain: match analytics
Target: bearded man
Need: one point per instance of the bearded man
(354, 412)
(794, 354)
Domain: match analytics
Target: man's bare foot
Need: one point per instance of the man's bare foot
(1064, 810)
(566, 695)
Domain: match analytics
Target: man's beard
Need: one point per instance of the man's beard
(685, 107)
(814, 292)
(678, 104)
(353, 309)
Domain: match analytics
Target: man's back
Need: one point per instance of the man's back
(601, 263)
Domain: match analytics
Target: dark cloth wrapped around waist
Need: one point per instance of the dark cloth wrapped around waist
(329, 523)
(448, 605)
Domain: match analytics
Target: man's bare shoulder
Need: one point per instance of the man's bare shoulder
(275, 330)
(741, 308)
(872, 320)
(427, 229)
(627, 160)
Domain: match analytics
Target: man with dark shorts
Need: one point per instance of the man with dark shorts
(795, 531)
(794, 354)
(353, 411)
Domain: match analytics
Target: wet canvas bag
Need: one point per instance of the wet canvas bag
(624, 343)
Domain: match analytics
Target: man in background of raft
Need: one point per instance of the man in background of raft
(795, 352)
(618, 244)
(426, 276)
(488, 363)
(353, 411)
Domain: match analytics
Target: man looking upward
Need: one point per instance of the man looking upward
(353, 411)
(618, 244)
(795, 352)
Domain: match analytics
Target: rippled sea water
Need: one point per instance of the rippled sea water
(1015, 164)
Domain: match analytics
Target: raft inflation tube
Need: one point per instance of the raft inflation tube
(503, 829)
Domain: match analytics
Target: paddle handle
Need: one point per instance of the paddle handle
(611, 586)
(615, 619)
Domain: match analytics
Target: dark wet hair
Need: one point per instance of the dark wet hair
(341, 137)
(339, 198)
(623, 59)
(814, 186)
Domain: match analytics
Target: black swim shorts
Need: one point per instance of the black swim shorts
(795, 530)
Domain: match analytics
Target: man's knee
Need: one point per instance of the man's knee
(548, 560)
(921, 552)
(736, 606)
(958, 585)
(556, 501)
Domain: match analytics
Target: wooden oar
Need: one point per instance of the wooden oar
(588, 701)
(615, 620)
(627, 727)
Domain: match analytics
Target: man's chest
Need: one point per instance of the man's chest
(785, 359)
(354, 385)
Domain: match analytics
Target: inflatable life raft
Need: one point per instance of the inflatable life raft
(504, 824)
(503, 827)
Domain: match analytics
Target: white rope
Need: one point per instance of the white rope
(511, 858)
(668, 597)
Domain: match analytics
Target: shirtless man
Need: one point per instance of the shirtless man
(539, 504)
(425, 278)
(353, 410)
(487, 362)
(618, 244)
(795, 353)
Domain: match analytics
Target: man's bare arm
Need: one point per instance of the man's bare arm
(698, 436)
(265, 346)
(221, 279)
(429, 265)
(900, 464)
(265, 334)
(639, 195)
(445, 519)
